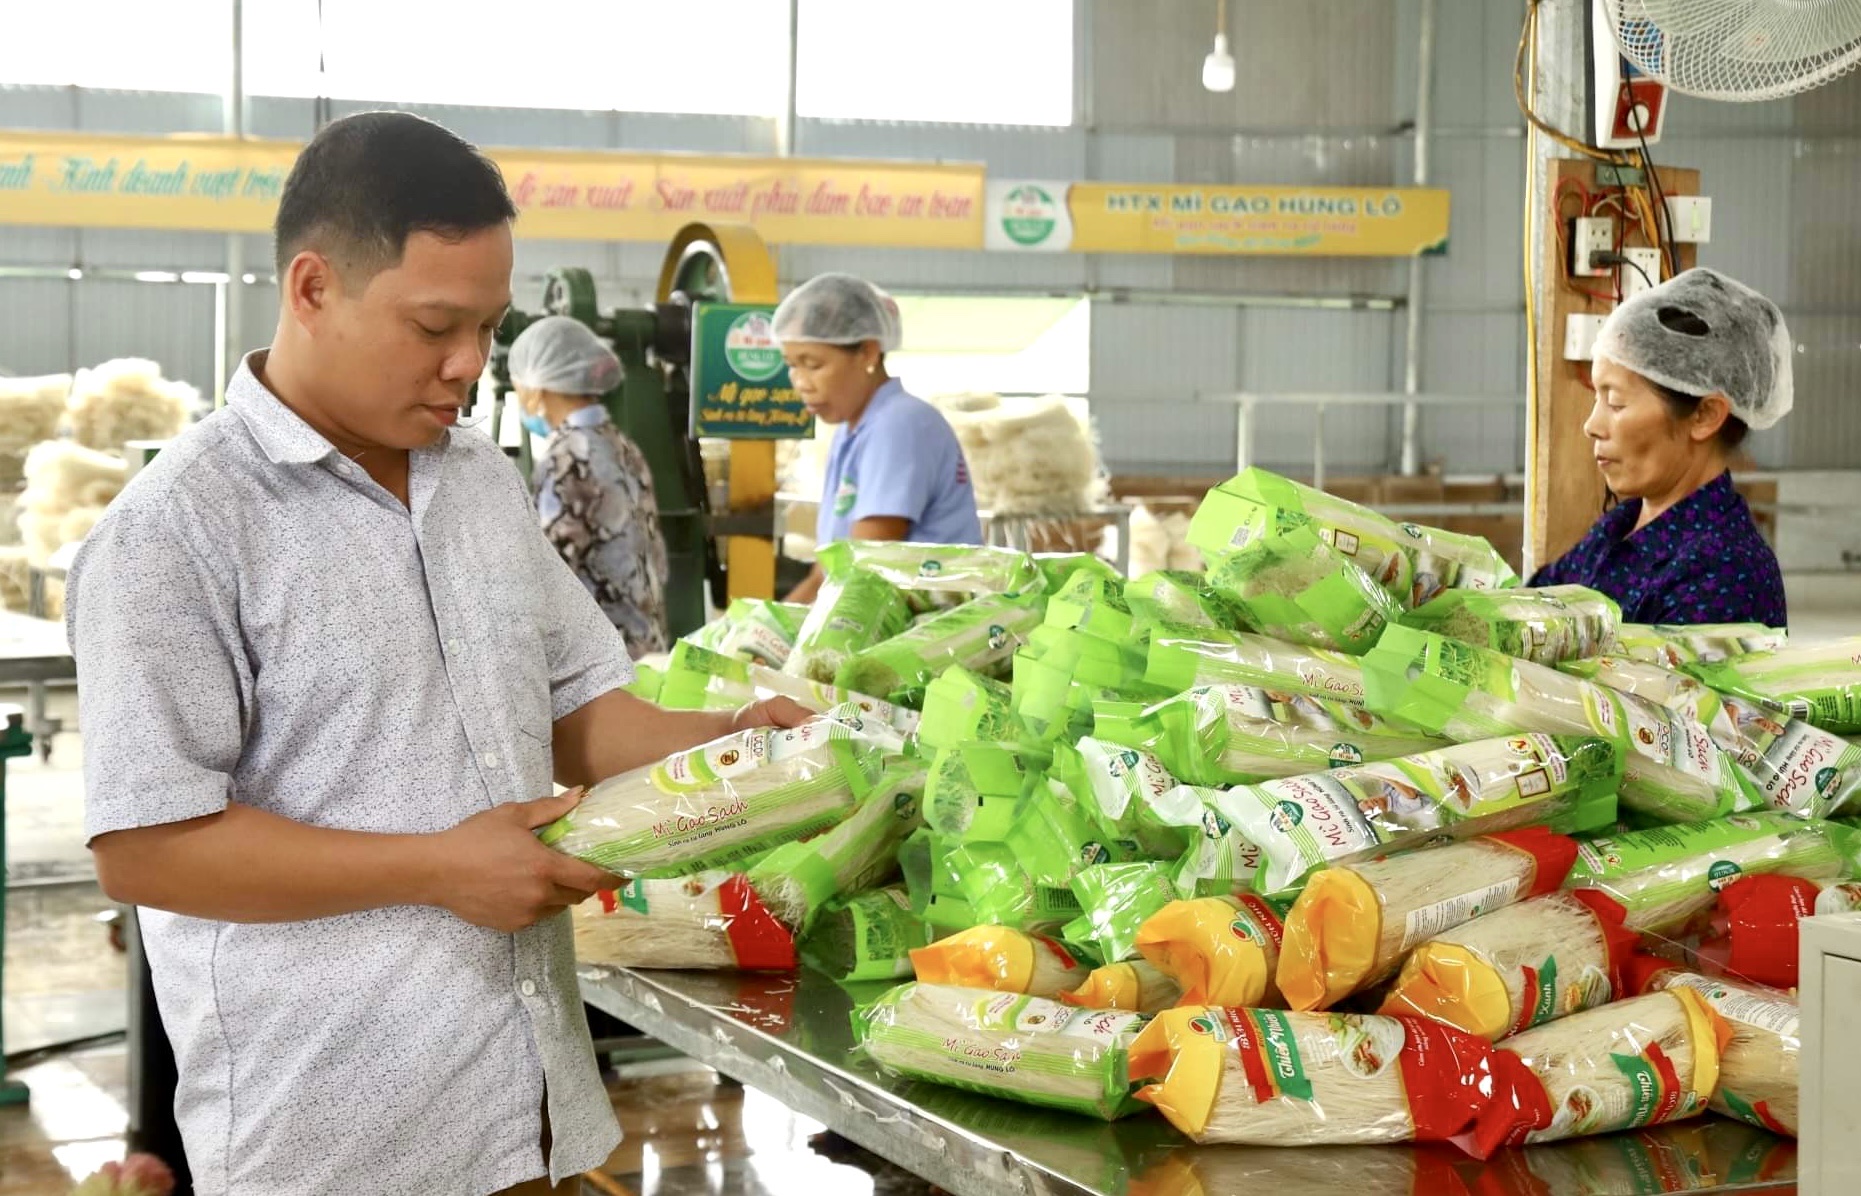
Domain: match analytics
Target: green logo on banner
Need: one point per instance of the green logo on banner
(1029, 215)
(751, 349)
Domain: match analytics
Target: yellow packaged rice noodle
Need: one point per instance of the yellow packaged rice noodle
(1353, 924)
(1519, 966)
(1000, 958)
(1639, 1062)
(1135, 986)
(1219, 950)
(1761, 1066)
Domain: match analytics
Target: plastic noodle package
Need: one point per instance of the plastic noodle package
(1756, 924)
(1353, 925)
(1004, 1045)
(933, 575)
(1819, 683)
(698, 678)
(1115, 901)
(1134, 986)
(851, 613)
(1295, 587)
(1000, 958)
(1672, 772)
(961, 707)
(755, 630)
(1261, 1077)
(1302, 824)
(1667, 877)
(1518, 967)
(1545, 626)
(1675, 647)
(798, 878)
(996, 887)
(1172, 598)
(1220, 860)
(727, 800)
(981, 636)
(1220, 950)
(975, 791)
(1129, 795)
(866, 937)
(1241, 734)
(1447, 560)
(1760, 1068)
(1635, 1063)
(1092, 604)
(708, 920)
(1257, 503)
(1182, 659)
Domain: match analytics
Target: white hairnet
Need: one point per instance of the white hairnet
(839, 309)
(1702, 333)
(562, 354)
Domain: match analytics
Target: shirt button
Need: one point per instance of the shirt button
(491, 759)
(452, 647)
(527, 988)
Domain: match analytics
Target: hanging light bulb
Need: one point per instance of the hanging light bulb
(1218, 67)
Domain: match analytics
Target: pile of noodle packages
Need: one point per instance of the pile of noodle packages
(1348, 840)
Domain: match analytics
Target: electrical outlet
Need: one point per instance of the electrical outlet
(1590, 235)
(1689, 218)
(1580, 336)
(1635, 281)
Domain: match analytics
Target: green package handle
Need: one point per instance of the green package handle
(915, 863)
(949, 913)
(1171, 598)
(1118, 899)
(972, 791)
(1058, 568)
(1053, 838)
(963, 707)
(647, 683)
(999, 891)
(1092, 605)
(866, 937)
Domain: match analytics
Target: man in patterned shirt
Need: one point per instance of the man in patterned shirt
(594, 490)
(328, 667)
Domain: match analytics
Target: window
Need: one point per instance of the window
(176, 45)
(1007, 62)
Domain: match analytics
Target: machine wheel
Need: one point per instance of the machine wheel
(569, 291)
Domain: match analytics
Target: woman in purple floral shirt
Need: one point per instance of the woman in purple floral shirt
(1683, 372)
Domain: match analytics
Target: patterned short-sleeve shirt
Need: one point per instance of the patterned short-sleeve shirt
(594, 492)
(1700, 561)
(256, 620)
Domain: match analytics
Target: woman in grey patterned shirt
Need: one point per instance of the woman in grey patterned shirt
(594, 490)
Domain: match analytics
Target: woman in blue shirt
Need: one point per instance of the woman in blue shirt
(895, 470)
(1682, 372)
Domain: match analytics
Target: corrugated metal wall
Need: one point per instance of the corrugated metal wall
(1324, 90)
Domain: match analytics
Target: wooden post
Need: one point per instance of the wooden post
(1567, 492)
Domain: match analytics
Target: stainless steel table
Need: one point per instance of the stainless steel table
(790, 1037)
(32, 653)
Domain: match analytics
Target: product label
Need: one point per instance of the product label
(1653, 1084)
(700, 768)
(1120, 774)
(1539, 993)
(1802, 768)
(1778, 1015)
(1318, 814)
(1619, 854)
(1268, 1048)
(1426, 921)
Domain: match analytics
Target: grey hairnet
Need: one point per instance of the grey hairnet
(1702, 333)
(562, 354)
(839, 309)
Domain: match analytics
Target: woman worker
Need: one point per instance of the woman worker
(1682, 372)
(594, 491)
(895, 470)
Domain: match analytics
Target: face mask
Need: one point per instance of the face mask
(536, 425)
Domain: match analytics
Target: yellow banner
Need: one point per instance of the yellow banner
(1041, 216)
(217, 185)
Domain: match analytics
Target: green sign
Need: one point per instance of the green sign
(739, 384)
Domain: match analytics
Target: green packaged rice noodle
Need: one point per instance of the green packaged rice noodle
(1183, 658)
(1447, 560)
(1221, 860)
(1672, 772)
(1173, 598)
(708, 920)
(974, 791)
(1008, 1045)
(1056, 834)
(1819, 683)
(760, 631)
(981, 636)
(1295, 587)
(1117, 899)
(853, 612)
(999, 890)
(1241, 734)
(1126, 792)
(1062, 671)
(930, 882)
(963, 707)
(1545, 626)
(797, 879)
(699, 679)
(1257, 504)
(869, 936)
(1676, 647)
(1787, 764)
(728, 800)
(1093, 605)
(1058, 568)
(1302, 824)
(1668, 877)
(933, 575)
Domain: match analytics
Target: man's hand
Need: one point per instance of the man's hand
(497, 875)
(781, 713)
